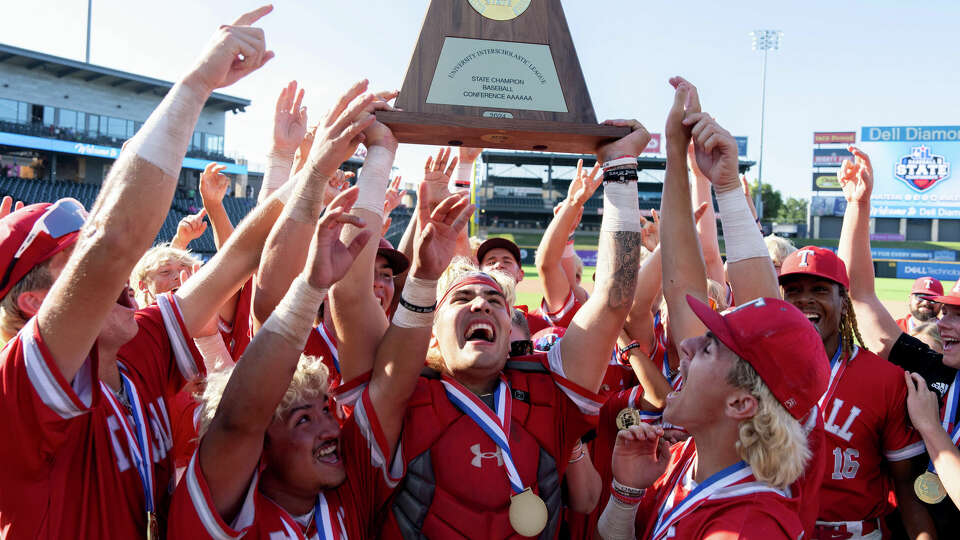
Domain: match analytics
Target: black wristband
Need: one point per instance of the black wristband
(621, 176)
(417, 309)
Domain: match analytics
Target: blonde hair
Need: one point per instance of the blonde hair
(12, 318)
(153, 259)
(308, 382)
(717, 292)
(458, 268)
(929, 333)
(779, 248)
(773, 443)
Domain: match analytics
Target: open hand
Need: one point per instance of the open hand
(329, 259)
(640, 455)
(856, 178)
(436, 175)
(213, 184)
(289, 120)
(650, 233)
(437, 231)
(7, 206)
(341, 131)
(235, 51)
(394, 196)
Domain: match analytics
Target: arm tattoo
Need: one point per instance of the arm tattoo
(621, 267)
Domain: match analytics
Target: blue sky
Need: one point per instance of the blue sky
(841, 65)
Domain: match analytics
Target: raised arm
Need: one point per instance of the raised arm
(401, 352)
(286, 249)
(706, 227)
(353, 303)
(213, 188)
(749, 266)
(191, 227)
(586, 346)
(230, 450)
(289, 128)
(556, 284)
(136, 196)
(877, 326)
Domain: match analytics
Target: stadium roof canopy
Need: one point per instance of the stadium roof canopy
(65, 68)
(570, 160)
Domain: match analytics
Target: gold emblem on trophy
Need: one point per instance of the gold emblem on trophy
(500, 10)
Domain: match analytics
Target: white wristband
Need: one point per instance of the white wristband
(306, 203)
(373, 179)
(617, 520)
(164, 137)
(461, 179)
(740, 233)
(621, 207)
(214, 352)
(294, 316)
(278, 170)
(416, 292)
(626, 160)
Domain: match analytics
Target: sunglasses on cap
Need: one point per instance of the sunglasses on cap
(60, 219)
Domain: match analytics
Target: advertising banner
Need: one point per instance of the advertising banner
(830, 157)
(912, 170)
(741, 146)
(653, 147)
(826, 180)
(835, 137)
(940, 270)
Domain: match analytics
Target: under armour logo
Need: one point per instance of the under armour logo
(479, 456)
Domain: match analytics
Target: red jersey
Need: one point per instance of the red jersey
(350, 507)
(730, 504)
(456, 484)
(322, 344)
(69, 469)
(908, 323)
(237, 333)
(563, 316)
(865, 417)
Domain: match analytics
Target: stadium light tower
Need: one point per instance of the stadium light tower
(765, 41)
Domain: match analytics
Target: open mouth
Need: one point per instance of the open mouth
(950, 344)
(480, 331)
(327, 452)
(812, 317)
(124, 299)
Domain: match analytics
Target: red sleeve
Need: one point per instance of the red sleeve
(36, 402)
(163, 350)
(563, 316)
(372, 474)
(898, 440)
(193, 514)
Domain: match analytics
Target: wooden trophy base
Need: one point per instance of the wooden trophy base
(504, 133)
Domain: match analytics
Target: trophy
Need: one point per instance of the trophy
(497, 74)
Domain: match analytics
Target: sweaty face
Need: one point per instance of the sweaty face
(949, 326)
(164, 279)
(502, 260)
(383, 282)
(302, 450)
(473, 332)
(704, 364)
(923, 310)
(819, 299)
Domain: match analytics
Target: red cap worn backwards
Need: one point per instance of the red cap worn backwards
(952, 297)
(815, 261)
(35, 233)
(927, 285)
(778, 341)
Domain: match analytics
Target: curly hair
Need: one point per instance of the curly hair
(772, 442)
(848, 325)
(308, 382)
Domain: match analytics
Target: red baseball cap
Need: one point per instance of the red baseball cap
(34, 234)
(397, 261)
(501, 243)
(952, 297)
(778, 341)
(545, 339)
(927, 285)
(815, 261)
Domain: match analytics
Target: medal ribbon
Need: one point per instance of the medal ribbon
(326, 521)
(952, 403)
(495, 423)
(322, 330)
(837, 367)
(738, 472)
(137, 436)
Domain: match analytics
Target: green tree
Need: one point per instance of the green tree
(793, 211)
(772, 200)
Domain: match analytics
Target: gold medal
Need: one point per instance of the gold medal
(153, 526)
(628, 417)
(928, 488)
(528, 513)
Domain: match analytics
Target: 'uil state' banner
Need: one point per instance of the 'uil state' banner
(913, 168)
